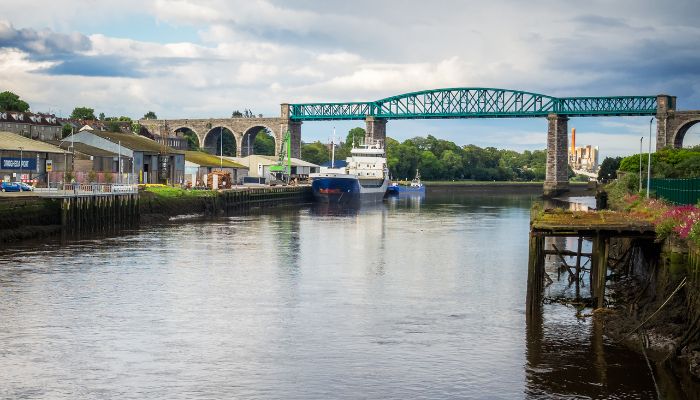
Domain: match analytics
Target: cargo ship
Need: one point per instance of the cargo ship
(365, 178)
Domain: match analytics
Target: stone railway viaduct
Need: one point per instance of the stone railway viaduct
(672, 125)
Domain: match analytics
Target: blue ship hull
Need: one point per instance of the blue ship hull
(341, 190)
(399, 189)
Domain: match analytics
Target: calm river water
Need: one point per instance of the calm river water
(403, 300)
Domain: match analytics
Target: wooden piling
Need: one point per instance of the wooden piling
(535, 273)
(599, 269)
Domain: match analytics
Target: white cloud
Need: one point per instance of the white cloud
(256, 54)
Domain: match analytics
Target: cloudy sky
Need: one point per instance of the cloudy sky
(205, 58)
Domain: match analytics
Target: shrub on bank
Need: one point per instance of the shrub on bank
(174, 192)
(669, 220)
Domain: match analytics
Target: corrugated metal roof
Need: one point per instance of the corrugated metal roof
(13, 141)
(86, 149)
(272, 160)
(135, 142)
(209, 160)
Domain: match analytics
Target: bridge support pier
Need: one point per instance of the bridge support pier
(376, 129)
(294, 128)
(557, 174)
(666, 124)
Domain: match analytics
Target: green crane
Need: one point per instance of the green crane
(285, 152)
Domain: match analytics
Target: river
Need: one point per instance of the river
(408, 299)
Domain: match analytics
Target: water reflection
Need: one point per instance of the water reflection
(403, 299)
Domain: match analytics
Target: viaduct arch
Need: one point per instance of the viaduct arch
(672, 125)
(458, 103)
(241, 128)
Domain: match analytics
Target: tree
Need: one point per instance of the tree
(263, 144)
(192, 139)
(66, 130)
(11, 102)
(452, 164)
(430, 166)
(316, 153)
(608, 168)
(355, 137)
(83, 113)
(236, 114)
(102, 116)
(113, 126)
(150, 115)
(408, 156)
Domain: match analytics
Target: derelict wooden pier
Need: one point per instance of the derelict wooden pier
(599, 227)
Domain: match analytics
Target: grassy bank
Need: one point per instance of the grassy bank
(170, 192)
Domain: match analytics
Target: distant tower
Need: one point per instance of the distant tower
(573, 142)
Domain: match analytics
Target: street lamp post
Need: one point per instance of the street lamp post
(641, 139)
(20, 163)
(649, 160)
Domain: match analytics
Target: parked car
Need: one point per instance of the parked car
(10, 187)
(25, 187)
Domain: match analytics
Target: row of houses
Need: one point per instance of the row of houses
(35, 126)
(92, 155)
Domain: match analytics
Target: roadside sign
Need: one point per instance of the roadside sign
(49, 165)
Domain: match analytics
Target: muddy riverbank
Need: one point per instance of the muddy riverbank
(655, 306)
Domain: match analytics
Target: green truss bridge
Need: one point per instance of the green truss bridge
(475, 103)
(502, 103)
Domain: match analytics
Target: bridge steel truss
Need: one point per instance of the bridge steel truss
(475, 103)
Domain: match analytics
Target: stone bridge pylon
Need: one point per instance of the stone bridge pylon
(672, 125)
(244, 130)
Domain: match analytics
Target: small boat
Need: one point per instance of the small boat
(414, 187)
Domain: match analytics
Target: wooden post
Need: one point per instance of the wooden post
(578, 267)
(535, 273)
(599, 269)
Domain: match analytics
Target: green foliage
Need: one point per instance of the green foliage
(66, 130)
(451, 162)
(150, 115)
(119, 119)
(617, 190)
(356, 136)
(666, 163)
(439, 159)
(83, 113)
(102, 116)
(608, 168)
(113, 126)
(108, 177)
(192, 139)
(173, 192)
(11, 102)
(315, 152)
(264, 143)
(236, 114)
(92, 176)
(229, 143)
(229, 146)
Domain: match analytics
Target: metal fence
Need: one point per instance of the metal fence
(82, 189)
(678, 191)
